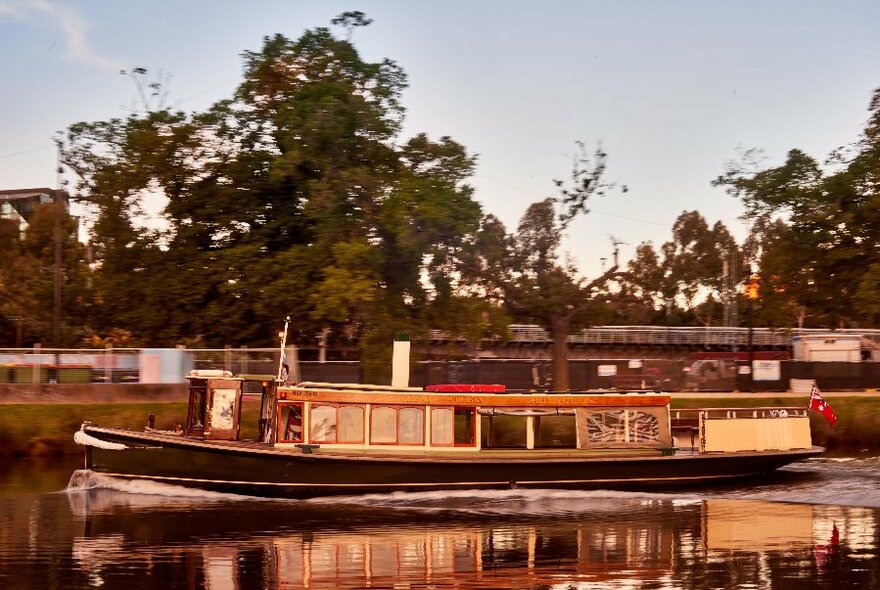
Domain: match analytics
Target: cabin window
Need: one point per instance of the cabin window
(607, 427)
(199, 407)
(291, 423)
(351, 424)
(453, 426)
(383, 425)
(411, 422)
(508, 432)
(465, 426)
(397, 425)
(441, 427)
(336, 423)
(322, 424)
(198, 395)
(555, 432)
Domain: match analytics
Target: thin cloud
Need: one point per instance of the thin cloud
(69, 21)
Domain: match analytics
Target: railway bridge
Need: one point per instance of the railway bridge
(533, 342)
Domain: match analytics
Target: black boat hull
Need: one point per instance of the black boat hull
(260, 470)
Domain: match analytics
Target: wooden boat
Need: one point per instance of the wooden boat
(319, 439)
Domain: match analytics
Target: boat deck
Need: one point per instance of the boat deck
(492, 455)
(481, 455)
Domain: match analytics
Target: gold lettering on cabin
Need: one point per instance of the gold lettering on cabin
(466, 399)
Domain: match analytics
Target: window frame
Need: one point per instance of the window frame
(338, 406)
(397, 408)
(363, 409)
(282, 428)
(472, 410)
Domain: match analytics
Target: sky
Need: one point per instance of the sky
(673, 90)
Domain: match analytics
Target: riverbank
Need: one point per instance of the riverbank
(45, 428)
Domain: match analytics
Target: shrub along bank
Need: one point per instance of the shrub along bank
(47, 429)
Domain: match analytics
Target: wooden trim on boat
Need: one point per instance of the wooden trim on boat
(470, 399)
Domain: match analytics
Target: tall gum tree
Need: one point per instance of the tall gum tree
(527, 273)
(295, 196)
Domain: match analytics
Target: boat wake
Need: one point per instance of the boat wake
(83, 480)
(519, 502)
(832, 481)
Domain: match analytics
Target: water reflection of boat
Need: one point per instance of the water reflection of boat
(745, 525)
(647, 540)
(323, 439)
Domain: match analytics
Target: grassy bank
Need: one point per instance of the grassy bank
(30, 430)
(47, 429)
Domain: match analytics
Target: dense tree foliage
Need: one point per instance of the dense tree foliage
(819, 232)
(688, 272)
(296, 196)
(27, 281)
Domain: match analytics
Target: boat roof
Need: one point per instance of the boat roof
(358, 393)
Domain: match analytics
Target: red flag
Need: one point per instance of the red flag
(820, 405)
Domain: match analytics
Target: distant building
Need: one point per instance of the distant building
(19, 205)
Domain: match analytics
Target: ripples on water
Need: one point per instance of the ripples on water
(814, 524)
(845, 482)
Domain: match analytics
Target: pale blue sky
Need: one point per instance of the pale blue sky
(672, 89)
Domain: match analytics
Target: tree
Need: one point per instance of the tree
(650, 277)
(689, 268)
(526, 271)
(296, 196)
(826, 257)
(27, 281)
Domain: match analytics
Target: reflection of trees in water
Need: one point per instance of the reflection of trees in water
(138, 541)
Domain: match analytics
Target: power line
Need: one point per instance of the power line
(37, 149)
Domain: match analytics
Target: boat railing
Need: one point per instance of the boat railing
(692, 415)
(740, 429)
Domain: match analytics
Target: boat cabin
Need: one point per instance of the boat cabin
(217, 399)
(467, 418)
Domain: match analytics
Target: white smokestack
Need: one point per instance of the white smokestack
(400, 361)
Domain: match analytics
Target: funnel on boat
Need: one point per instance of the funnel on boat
(400, 361)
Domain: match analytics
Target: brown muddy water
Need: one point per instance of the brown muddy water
(811, 525)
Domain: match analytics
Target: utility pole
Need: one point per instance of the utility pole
(59, 202)
(730, 280)
(751, 295)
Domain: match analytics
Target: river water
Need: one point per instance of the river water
(811, 525)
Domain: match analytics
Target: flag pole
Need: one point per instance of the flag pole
(283, 346)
